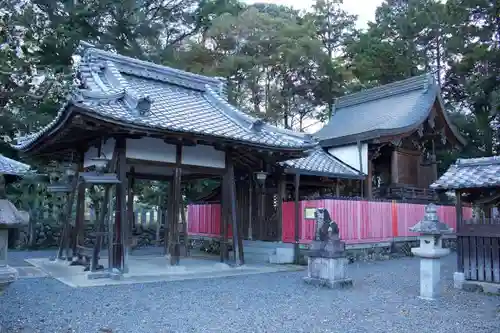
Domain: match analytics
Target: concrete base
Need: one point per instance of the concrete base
(282, 255)
(430, 275)
(337, 284)
(458, 280)
(152, 269)
(7, 276)
(329, 272)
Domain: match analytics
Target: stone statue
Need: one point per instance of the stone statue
(324, 225)
(327, 240)
(327, 263)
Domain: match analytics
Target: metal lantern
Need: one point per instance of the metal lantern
(261, 177)
(100, 163)
(59, 188)
(69, 170)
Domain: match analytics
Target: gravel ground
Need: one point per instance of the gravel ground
(383, 299)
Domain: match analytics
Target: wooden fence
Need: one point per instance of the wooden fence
(359, 221)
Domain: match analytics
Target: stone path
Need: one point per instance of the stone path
(383, 299)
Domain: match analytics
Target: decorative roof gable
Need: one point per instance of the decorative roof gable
(391, 109)
(120, 89)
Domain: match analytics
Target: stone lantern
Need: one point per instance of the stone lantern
(10, 217)
(430, 251)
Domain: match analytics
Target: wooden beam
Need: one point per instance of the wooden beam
(296, 220)
(224, 220)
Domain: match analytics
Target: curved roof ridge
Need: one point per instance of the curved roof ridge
(151, 70)
(420, 82)
(247, 121)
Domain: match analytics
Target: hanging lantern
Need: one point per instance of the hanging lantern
(69, 170)
(100, 163)
(261, 177)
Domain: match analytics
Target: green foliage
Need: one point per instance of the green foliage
(280, 64)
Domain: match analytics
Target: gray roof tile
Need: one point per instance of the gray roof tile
(11, 167)
(180, 102)
(321, 163)
(470, 173)
(386, 110)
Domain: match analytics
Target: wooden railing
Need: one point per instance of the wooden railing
(404, 192)
(480, 227)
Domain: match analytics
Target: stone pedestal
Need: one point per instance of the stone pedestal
(7, 273)
(327, 263)
(328, 272)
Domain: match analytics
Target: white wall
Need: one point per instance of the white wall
(157, 150)
(151, 149)
(350, 155)
(202, 155)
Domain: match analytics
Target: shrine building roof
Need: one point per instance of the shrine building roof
(11, 167)
(470, 173)
(143, 95)
(321, 163)
(392, 109)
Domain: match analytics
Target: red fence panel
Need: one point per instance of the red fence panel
(358, 220)
(205, 220)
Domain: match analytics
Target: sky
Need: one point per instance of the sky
(365, 9)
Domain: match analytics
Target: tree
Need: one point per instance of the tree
(472, 82)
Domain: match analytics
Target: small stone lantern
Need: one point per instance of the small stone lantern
(10, 217)
(430, 251)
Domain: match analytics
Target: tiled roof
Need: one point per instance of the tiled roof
(471, 173)
(320, 163)
(130, 91)
(390, 109)
(10, 167)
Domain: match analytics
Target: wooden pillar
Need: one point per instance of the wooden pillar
(78, 232)
(460, 253)
(369, 182)
(237, 245)
(174, 246)
(223, 218)
(296, 220)
(100, 213)
(281, 198)
(130, 199)
(64, 243)
(250, 207)
(120, 227)
(394, 167)
(337, 188)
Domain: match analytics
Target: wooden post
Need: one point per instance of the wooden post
(460, 253)
(250, 208)
(174, 249)
(369, 183)
(167, 218)
(101, 218)
(80, 219)
(232, 198)
(120, 227)
(64, 244)
(281, 197)
(296, 220)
